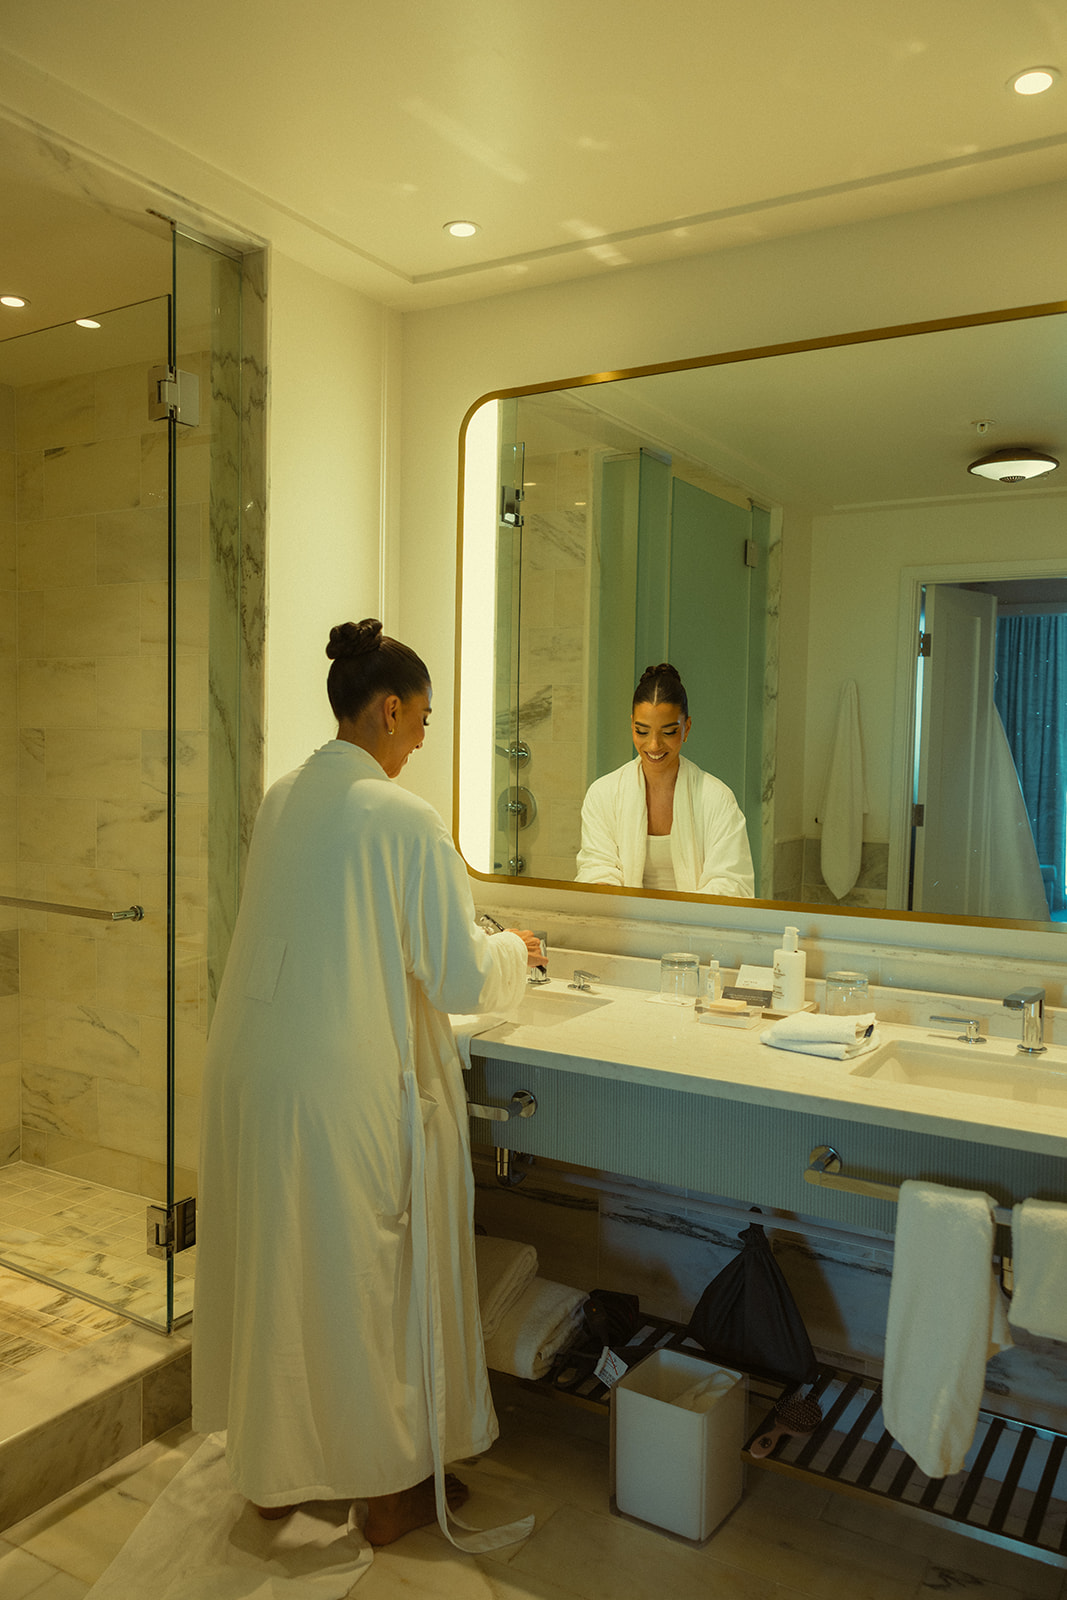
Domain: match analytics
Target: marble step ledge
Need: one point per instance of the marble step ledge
(68, 1413)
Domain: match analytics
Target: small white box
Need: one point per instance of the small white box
(677, 1468)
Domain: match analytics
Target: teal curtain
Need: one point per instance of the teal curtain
(1031, 696)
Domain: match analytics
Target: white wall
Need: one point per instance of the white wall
(1004, 251)
(333, 373)
(857, 559)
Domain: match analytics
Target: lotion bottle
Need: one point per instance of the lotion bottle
(790, 969)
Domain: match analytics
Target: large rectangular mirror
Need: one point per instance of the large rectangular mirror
(873, 639)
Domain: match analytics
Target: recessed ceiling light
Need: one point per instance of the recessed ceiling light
(11, 300)
(1035, 80)
(86, 322)
(461, 230)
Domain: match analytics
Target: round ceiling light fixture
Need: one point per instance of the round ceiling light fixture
(1014, 465)
(1035, 80)
(461, 230)
(86, 322)
(11, 300)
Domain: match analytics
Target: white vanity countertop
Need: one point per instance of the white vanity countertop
(637, 1039)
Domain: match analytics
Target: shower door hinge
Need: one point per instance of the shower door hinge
(510, 500)
(925, 643)
(170, 1232)
(173, 393)
(918, 816)
(751, 553)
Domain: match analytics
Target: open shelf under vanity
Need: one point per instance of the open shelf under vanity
(1012, 1494)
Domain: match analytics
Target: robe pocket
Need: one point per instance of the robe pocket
(266, 969)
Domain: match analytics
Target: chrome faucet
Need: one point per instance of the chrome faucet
(1031, 1002)
(582, 980)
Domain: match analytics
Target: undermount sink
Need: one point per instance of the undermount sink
(965, 1069)
(544, 1008)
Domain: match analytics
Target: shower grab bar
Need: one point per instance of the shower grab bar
(824, 1170)
(131, 914)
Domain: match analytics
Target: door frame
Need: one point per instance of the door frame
(912, 582)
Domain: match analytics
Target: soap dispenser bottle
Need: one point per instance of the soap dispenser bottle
(790, 969)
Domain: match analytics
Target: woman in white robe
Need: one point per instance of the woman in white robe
(337, 1336)
(660, 822)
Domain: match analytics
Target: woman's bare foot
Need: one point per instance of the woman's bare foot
(390, 1516)
(275, 1513)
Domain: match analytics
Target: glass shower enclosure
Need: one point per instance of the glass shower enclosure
(120, 684)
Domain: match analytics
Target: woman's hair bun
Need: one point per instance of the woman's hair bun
(652, 672)
(354, 639)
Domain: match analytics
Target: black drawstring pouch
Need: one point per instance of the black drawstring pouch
(747, 1317)
(612, 1317)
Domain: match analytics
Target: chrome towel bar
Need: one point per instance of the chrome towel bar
(131, 914)
(523, 1104)
(824, 1170)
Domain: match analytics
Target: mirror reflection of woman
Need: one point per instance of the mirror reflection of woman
(660, 822)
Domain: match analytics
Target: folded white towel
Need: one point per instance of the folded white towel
(539, 1325)
(1039, 1262)
(815, 1035)
(946, 1318)
(505, 1270)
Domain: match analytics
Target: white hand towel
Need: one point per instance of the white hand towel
(540, 1324)
(845, 799)
(505, 1270)
(946, 1318)
(1039, 1260)
(840, 1038)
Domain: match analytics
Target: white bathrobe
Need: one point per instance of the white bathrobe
(337, 1336)
(709, 844)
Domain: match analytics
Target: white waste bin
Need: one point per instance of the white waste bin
(679, 1425)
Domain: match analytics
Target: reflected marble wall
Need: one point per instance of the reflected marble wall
(10, 1136)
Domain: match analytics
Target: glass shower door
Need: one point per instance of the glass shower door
(83, 846)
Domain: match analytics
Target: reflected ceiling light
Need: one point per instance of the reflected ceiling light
(1014, 465)
(11, 300)
(1035, 80)
(461, 230)
(86, 322)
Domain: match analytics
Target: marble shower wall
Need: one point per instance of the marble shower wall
(92, 603)
(10, 1089)
(554, 656)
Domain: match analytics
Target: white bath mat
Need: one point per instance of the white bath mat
(202, 1540)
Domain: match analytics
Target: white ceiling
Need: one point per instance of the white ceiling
(583, 137)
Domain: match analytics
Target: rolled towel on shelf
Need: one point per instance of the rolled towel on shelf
(840, 1038)
(946, 1318)
(542, 1322)
(505, 1270)
(1039, 1268)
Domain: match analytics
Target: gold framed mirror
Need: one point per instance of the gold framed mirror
(764, 519)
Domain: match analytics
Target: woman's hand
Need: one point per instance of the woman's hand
(535, 956)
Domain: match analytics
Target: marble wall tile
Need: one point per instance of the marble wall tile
(56, 1101)
(131, 977)
(57, 412)
(131, 691)
(59, 831)
(9, 622)
(192, 620)
(29, 483)
(101, 1041)
(132, 1118)
(7, 418)
(131, 834)
(9, 974)
(57, 693)
(91, 477)
(154, 469)
(96, 620)
(89, 763)
(10, 1022)
(56, 545)
(120, 397)
(58, 963)
(131, 546)
(560, 1219)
